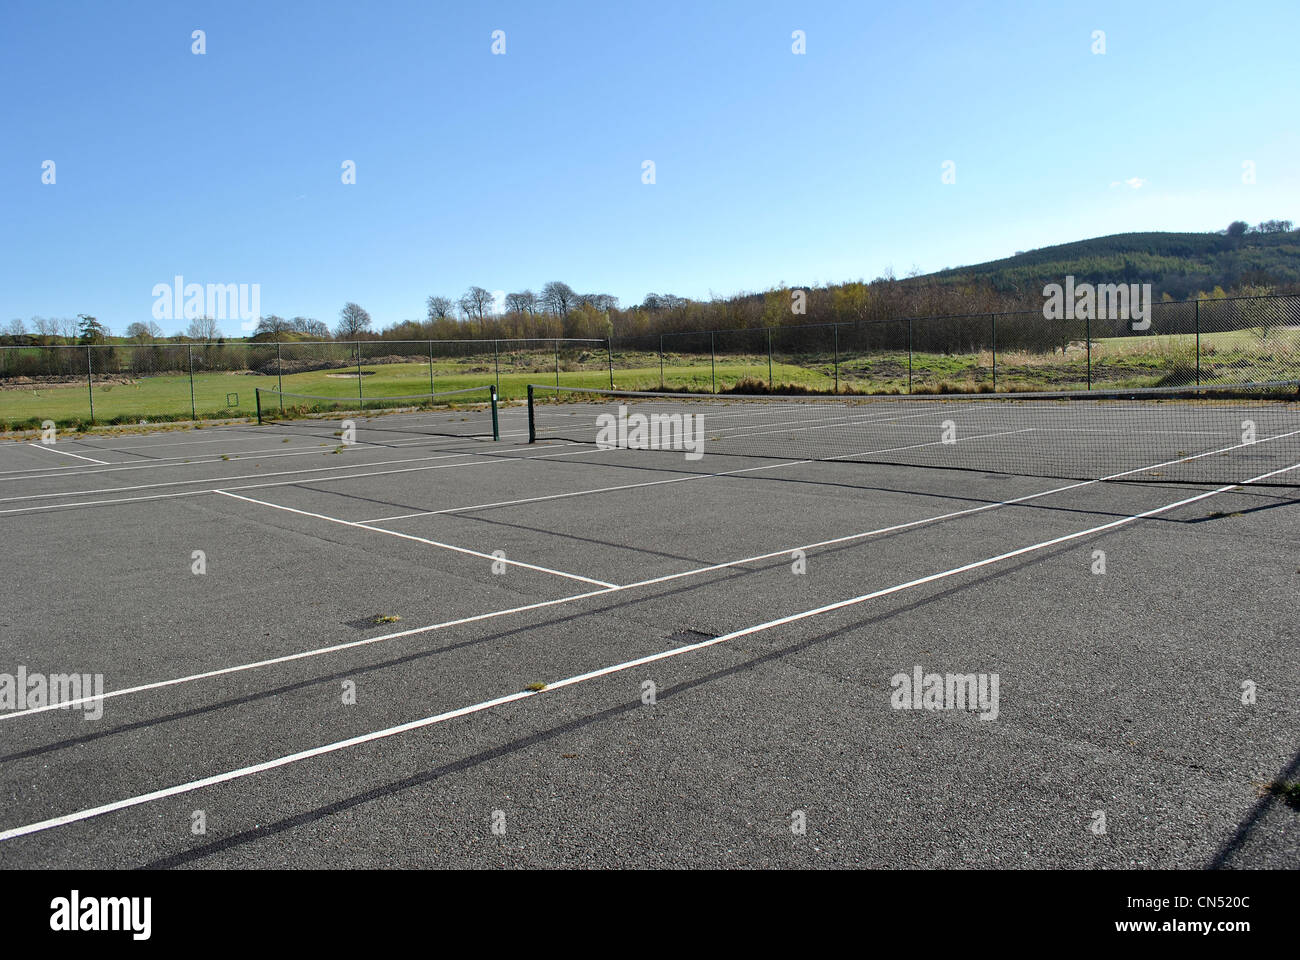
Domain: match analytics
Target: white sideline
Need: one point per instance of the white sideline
(407, 536)
(272, 764)
(333, 648)
(50, 448)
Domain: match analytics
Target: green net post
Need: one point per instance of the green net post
(496, 427)
(532, 423)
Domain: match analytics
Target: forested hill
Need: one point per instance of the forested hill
(1179, 264)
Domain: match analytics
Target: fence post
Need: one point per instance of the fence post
(609, 349)
(496, 361)
(769, 358)
(661, 361)
(993, 321)
(1087, 339)
(1198, 343)
(279, 374)
(909, 355)
(557, 364)
(359, 394)
(194, 413)
(431, 390)
(713, 362)
(90, 386)
(836, 329)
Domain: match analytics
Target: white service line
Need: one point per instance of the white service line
(197, 460)
(284, 483)
(695, 571)
(50, 448)
(485, 705)
(693, 476)
(432, 543)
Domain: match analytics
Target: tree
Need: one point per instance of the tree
(476, 302)
(439, 308)
(1237, 228)
(523, 302)
(203, 329)
(558, 298)
(272, 326)
(311, 328)
(91, 330)
(144, 332)
(16, 328)
(353, 321)
(1273, 226)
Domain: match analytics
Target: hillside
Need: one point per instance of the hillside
(1179, 264)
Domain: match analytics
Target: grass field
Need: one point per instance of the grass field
(1236, 356)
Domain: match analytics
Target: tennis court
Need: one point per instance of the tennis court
(415, 645)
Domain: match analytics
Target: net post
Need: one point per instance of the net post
(257, 395)
(532, 421)
(194, 413)
(496, 427)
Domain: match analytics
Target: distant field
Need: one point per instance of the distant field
(1236, 356)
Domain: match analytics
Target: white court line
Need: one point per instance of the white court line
(320, 651)
(272, 454)
(485, 705)
(221, 480)
(50, 448)
(655, 483)
(407, 536)
(286, 483)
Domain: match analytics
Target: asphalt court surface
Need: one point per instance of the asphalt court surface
(1119, 692)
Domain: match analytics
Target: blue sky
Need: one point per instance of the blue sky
(509, 171)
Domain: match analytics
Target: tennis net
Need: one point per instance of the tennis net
(1207, 434)
(470, 412)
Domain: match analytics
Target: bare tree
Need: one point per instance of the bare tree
(439, 308)
(476, 303)
(353, 320)
(144, 332)
(16, 328)
(523, 302)
(559, 298)
(273, 325)
(203, 329)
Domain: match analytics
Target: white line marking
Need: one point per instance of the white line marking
(485, 705)
(407, 536)
(333, 648)
(43, 446)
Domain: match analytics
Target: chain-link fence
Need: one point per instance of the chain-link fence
(1234, 340)
(134, 383)
(1223, 341)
